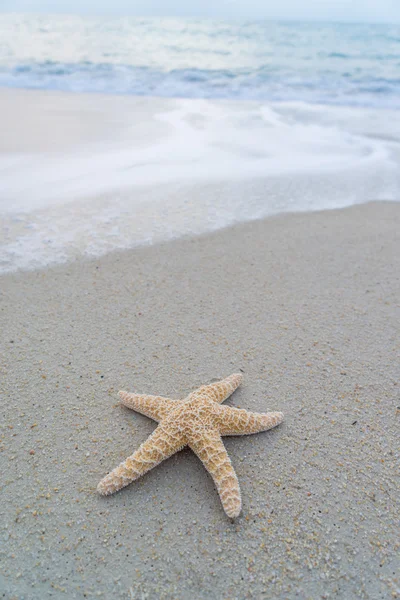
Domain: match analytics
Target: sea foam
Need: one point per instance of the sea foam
(206, 165)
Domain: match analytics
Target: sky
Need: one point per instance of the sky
(387, 11)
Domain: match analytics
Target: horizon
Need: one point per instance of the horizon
(316, 21)
(384, 12)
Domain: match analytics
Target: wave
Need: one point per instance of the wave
(194, 58)
(265, 83)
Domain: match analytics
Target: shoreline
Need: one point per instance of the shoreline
(82, 175)
(159, 245)
(307, 305)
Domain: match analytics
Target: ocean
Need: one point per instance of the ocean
(357, 65)
(180, 126)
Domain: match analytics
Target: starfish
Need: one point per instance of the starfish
(199, 421)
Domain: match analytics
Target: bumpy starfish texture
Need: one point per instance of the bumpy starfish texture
(198, 421)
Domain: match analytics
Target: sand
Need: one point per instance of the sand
(307, 306)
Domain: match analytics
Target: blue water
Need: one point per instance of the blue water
(344, 64)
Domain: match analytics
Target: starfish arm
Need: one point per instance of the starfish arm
(221, 390)
(236, 421)
(158, 447)
(154, 407)
(210, 449)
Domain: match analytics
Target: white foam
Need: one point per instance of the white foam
(128, 190)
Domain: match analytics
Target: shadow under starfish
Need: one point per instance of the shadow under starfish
(199, 421)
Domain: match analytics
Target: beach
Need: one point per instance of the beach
(180, 201)
(306, 306)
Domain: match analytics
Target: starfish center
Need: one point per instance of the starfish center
(194, 414)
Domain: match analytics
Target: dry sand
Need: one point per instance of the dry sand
(308, 307)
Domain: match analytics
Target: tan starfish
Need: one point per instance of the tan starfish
(198, 421)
